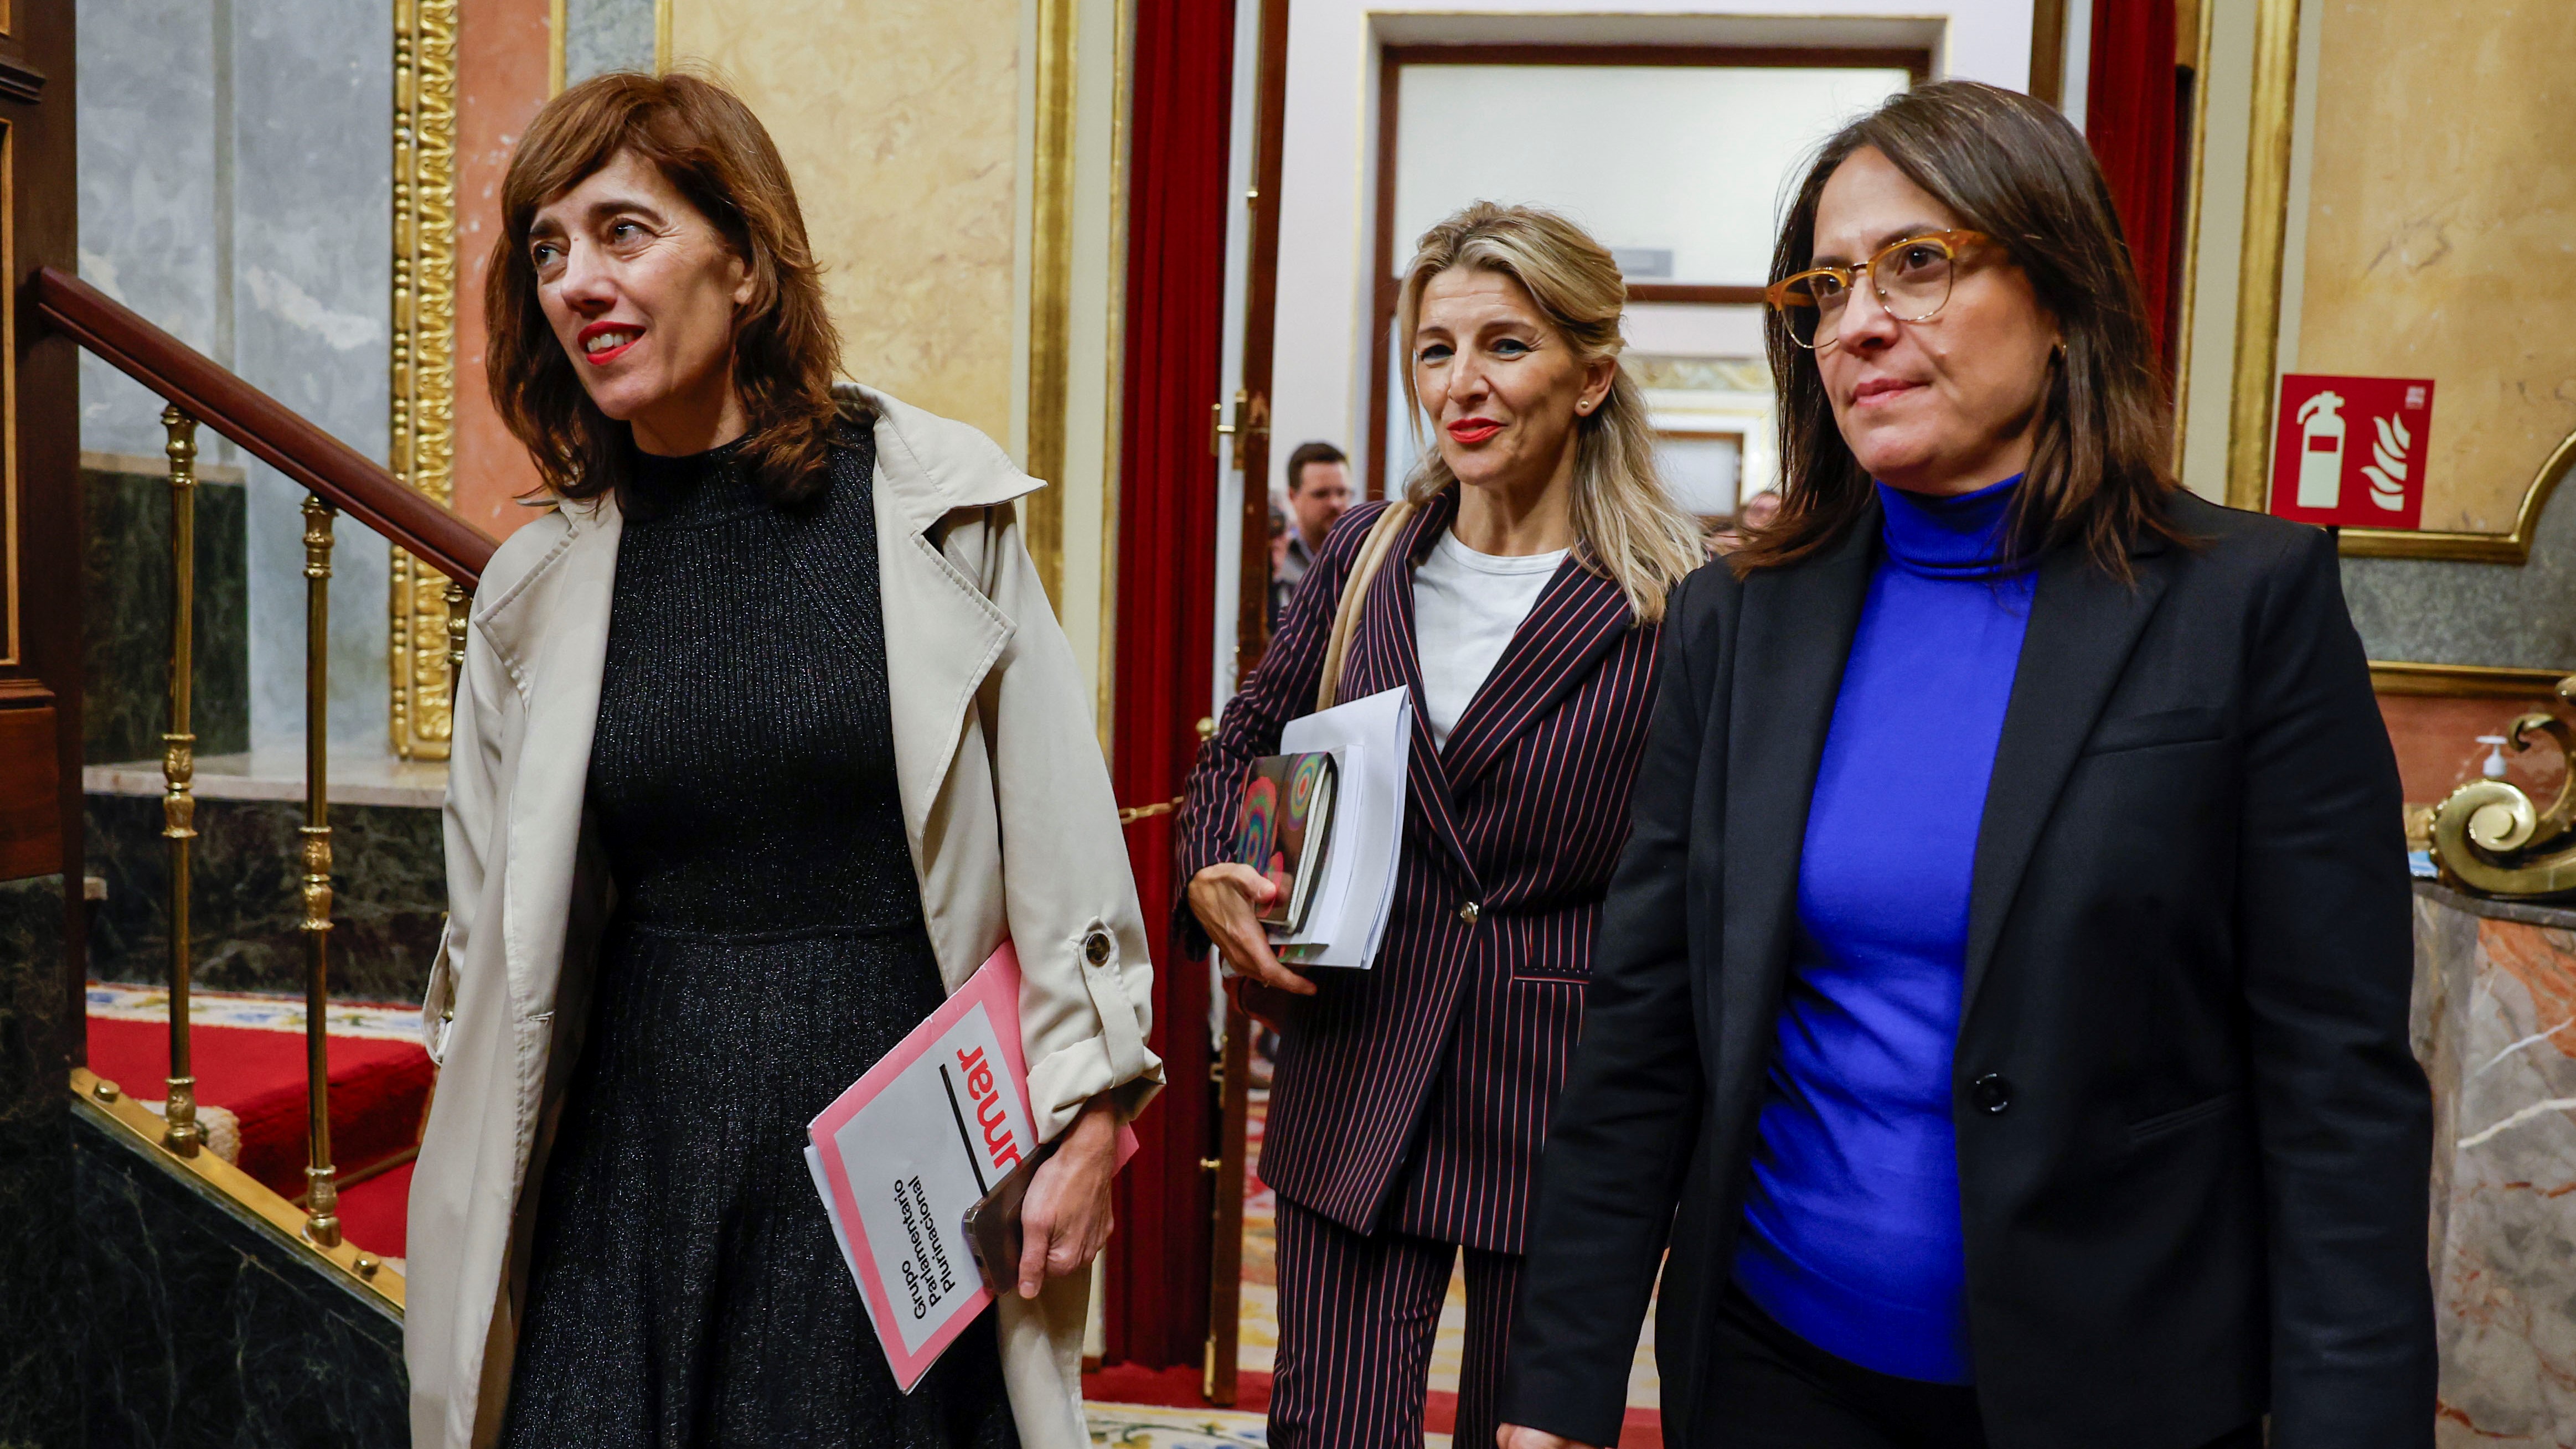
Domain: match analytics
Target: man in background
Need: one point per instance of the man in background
(1755, 515)
(1319, 488)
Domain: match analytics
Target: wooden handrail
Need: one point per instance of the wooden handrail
(275, 434)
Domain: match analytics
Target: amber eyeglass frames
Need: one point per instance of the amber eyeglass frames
(1911, 277)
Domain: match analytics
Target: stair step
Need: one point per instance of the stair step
(379, 1091)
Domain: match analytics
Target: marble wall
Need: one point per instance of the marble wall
(2495, 1026)
(39, 1361)
(2439, 612)
(125, 617)
(205, 1330)
(236, 188)
(604, 35)
(900, 123)
(156, 200)
(389, 896)
(2438, 178)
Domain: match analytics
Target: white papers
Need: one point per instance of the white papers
(1371, 742)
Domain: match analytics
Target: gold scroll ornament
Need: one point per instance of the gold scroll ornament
(424, 355)
(2491, 838)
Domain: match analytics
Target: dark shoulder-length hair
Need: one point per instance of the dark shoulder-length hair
(714, 152)
(2010, 167)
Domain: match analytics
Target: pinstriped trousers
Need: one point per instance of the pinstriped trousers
(1357, 1313)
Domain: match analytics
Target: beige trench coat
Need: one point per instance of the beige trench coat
(996, 763)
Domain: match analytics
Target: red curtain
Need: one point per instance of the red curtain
(1157, 1279)
(2132, 118)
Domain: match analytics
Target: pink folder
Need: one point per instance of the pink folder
(902, 1154)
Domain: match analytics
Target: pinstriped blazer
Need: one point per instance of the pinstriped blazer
(1415, 1095)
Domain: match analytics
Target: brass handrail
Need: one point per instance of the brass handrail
(337, 479)
(267, 428)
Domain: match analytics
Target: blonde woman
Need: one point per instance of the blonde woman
(1519, 598)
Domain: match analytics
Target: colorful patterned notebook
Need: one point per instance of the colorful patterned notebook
(1286, 822)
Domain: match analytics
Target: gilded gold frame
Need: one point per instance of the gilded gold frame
(2180, 342)
(2503, 548)
(2267, 217)
(2258, 319)
(1050, 288)
(422, 435)
(1113, 425)
(2464, 681)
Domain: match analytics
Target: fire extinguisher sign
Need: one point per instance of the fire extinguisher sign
(2349, 451)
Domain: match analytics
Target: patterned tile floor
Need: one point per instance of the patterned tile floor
(1125, 1426)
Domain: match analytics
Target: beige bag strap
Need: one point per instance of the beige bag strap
(1346, 611)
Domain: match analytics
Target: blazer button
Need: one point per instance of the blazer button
(1469, 912)
(1095, 948)
(1992, 1094)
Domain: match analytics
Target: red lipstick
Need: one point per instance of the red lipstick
(1471, 431)
(607, 354)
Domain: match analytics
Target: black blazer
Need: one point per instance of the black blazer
(2194, 1146)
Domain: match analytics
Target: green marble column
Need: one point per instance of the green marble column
(125, 617)
(39, 1282)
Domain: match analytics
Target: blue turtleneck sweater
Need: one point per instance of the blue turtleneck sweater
(1852, 1236)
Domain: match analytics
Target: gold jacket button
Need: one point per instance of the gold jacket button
(1469, 912)
(1095, 948)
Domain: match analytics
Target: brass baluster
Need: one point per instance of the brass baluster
(322, 1201)
(457, 599)
(179, 768)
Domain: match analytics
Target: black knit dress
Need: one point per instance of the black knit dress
(767, 947)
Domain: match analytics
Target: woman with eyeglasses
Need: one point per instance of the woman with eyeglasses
(2000, 1010)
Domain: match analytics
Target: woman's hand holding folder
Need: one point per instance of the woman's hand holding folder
(1228, 900)
(1065, 1219)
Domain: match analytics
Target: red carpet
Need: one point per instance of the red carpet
(1178, 1388)
(372, 1213)
(379, 1090)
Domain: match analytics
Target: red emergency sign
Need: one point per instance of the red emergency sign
(2350, 451)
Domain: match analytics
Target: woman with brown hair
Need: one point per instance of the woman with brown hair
(1516, 591)
(2001, 1006)
(751, 720)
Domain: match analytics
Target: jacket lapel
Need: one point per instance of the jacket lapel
(2083, 623)
(942, 630)
(1794, 635)
(1577, 617)
(552, 633)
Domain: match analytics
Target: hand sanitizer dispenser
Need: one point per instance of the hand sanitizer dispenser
(2493, 769)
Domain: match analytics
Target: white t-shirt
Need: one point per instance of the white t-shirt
(1466, 606)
